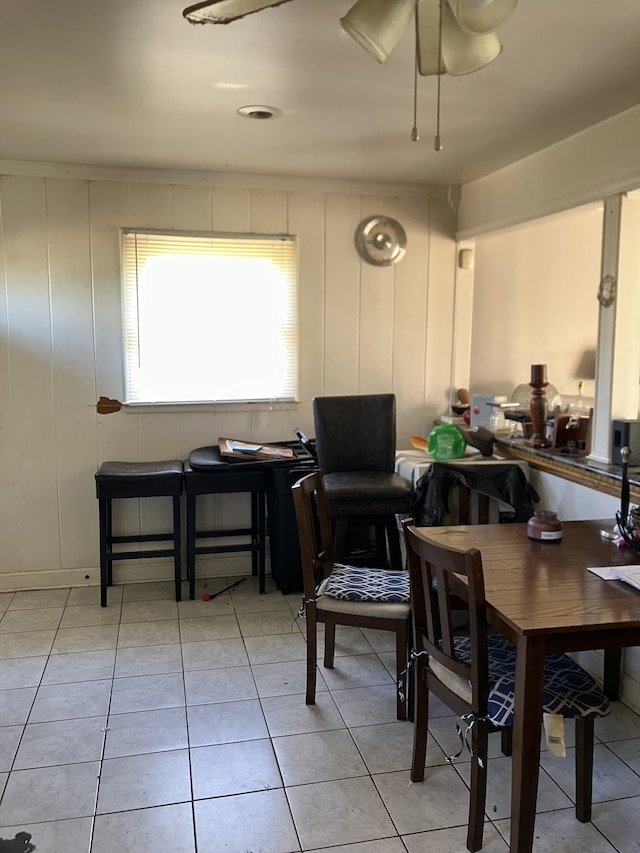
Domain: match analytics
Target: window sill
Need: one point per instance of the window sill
(238, 406)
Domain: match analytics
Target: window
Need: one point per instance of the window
(209, 317)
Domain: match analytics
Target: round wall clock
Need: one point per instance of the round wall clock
(381, 240)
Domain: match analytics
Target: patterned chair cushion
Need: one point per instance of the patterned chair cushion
(568, 689)
(353, 583)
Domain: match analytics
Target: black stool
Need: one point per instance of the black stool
(206, 474)
(115, 480)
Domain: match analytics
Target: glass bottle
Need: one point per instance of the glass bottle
(545, 526)
(580, 405)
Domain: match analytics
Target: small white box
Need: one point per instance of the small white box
(482, 405)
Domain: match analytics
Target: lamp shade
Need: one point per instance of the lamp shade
(225, 11)
(378, 25)
(462, 52)
(479, 17)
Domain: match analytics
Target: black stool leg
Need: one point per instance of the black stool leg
(393, 537)
(191, 545)
(177, 545)
(340, 537)
(380, 528)
(255, 536)
(109, 540)
(103, 510)
(261, 541)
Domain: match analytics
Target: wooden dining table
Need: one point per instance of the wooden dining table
(541, 596)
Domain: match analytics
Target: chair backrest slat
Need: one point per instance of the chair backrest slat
(438, 574)
(314, 530)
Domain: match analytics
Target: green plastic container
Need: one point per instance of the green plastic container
(446, 442)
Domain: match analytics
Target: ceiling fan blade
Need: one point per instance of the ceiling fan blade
(225, 11)
(378, 25)
(481, 16)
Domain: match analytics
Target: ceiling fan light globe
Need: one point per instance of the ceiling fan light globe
(480, 17)
(378, 25)
(464, 53)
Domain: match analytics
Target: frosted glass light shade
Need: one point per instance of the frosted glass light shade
(378, 25)
(462, 52)
(481, 18)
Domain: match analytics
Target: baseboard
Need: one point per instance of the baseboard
(134, 571)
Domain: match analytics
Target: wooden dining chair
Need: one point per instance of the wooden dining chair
(335, 594)
(474, 675)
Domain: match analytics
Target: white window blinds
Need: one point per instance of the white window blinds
(209, 317)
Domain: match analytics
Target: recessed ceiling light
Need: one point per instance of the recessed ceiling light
(259, 111)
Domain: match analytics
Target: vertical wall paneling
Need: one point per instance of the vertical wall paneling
(151, 206)
(377, 289)
(194, 429)
(67, 204)
(8, 460)
(117, 437)
(230, 209)
(439, 310)
(342, 296)
(269, 211)
(463, 316)
(307, 222)
(361, 329)
(31, 358)
(410, 319)
(109, 211)
(191, 208)
(271, 423)
(157, 435)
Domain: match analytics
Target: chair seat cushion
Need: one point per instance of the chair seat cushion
(568, 689)
(367, 487)
(365, 609)
(354, 583)
(139, 479)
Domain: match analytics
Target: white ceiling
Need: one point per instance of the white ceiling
(132, 83)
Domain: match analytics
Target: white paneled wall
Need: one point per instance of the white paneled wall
(362, 329)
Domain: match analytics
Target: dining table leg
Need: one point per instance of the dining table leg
(611, 673)
(527, 726)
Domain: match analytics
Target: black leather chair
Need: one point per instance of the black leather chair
(356, 445)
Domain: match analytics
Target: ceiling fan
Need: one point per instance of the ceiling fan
(452, 36)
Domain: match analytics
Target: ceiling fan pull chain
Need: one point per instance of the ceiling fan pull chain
(437, 142)
(415, 135)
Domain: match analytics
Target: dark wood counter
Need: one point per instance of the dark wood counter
(604, 477)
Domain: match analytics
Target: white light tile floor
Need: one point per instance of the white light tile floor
(181, 728)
